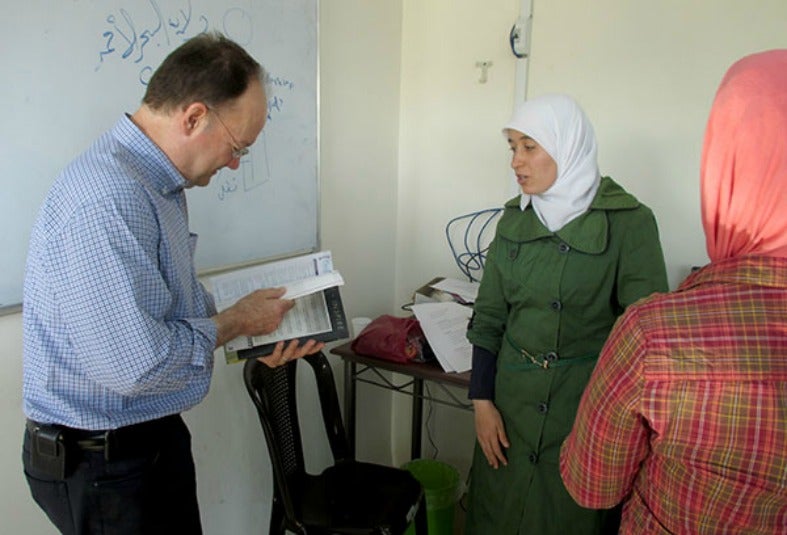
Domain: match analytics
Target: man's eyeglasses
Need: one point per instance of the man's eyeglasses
(238, 152)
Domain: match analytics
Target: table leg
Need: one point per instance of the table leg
(417, 419)
(349, 404)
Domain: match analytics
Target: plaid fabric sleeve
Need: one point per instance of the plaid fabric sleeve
(608, 442)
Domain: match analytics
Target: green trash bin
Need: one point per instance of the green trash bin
(441, 486)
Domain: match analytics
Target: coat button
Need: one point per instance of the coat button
(551, 356)
(533, 458)
(563, 248)
(543, 407)
(556, 305)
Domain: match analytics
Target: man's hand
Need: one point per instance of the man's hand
(490, 431)
(258, 313)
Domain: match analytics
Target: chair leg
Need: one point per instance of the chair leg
(277, 518)
(420, 517)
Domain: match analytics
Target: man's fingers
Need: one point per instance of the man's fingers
(273, 293)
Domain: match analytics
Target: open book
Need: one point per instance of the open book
(310, 280)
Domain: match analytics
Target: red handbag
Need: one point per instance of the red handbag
(390, 338)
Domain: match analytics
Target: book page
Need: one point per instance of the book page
(308, 317)
(227, 288)
(311, 285)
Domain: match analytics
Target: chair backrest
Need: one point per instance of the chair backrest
(273, 392)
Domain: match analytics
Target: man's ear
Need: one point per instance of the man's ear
(193, 118)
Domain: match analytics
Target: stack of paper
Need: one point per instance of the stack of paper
(463, 291)
(441, 290)
(445, 328)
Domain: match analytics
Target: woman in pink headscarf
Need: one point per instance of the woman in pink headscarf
(685, 416)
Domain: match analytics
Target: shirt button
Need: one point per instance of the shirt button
(556, 305)
(533, 458)
(543, 407)
(551, 356)
(563, 248)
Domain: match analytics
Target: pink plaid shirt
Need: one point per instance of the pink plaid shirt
(685, 416)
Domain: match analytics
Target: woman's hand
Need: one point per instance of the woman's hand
(490, 431)
(285, 352)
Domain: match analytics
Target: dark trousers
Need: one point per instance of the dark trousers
(151, 491)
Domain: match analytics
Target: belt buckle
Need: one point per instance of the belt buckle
(107, 435)
(542, 364)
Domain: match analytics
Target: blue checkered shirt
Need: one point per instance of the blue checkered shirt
(117, 326)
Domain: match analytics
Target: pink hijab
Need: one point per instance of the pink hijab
(744, 160)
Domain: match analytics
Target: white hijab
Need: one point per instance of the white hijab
(558, 124)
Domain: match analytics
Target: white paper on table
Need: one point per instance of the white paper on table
(445, 328)
(467, 290)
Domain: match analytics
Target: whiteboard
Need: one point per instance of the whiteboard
(71, 69)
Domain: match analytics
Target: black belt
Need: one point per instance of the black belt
(121, 443)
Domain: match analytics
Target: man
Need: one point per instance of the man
(685, 416)
(118, 331)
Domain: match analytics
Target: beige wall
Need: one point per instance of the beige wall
(19, 513)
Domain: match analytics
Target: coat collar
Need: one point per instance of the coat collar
(589, 233)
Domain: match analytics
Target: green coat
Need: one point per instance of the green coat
(552, 297)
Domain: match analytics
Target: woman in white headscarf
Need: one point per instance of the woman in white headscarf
(569, 255)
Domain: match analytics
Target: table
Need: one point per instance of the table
(365, 369)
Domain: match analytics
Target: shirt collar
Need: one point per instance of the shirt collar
(752, 270)
(160, 174)
(588, 233)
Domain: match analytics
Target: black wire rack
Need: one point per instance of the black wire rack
(468, 237)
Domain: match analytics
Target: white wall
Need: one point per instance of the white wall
(453, 160)
(359, 84)
(646, 73)
(453, 157)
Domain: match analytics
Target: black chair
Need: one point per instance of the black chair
(347, 497)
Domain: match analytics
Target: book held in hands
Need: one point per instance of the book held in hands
(310, 280)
